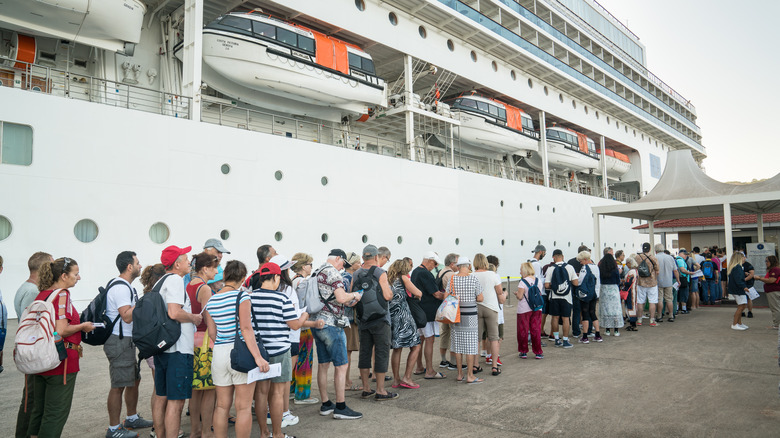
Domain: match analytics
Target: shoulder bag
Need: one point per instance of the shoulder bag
(241, 358)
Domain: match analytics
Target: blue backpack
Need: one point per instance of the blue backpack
(533, 295)
(586, 291)
(707, 267)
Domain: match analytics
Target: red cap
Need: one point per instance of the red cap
(171, 253)
(270, 269)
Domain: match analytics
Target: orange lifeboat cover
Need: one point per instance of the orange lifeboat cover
(25, 51)
(582, 140)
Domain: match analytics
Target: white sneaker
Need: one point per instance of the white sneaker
(289, 419)
(738, 327)
(617, 334)
(744, 327)
(483, 353)
(308, 401)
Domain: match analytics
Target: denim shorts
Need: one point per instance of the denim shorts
(331, 345)
(173, 375)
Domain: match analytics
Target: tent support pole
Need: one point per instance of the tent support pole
(727, 227)
(760, 224)
(596, 238)
(652, 236)
(604, 182)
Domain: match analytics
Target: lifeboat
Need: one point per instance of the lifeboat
(491, 125)
(567, 150)
(273, 57)
(617, 164)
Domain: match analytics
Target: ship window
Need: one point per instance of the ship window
(5, 228)
(451, 45)
(237, 22)
(528, 123)
(224, 234)
(264, 29)
(502, 114)
(493, 110)
(482, 106)
(278, 236)
(86, 230)
(393, 18)
(360, 63)
(16, 144)
(368, 66)
(468, 103)
(306, 44)
(159, 232)
(354, 61)
(287, 37)
(552, 134)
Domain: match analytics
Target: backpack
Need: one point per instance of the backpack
(643, 269)
(560, 284)
(96, 312)
(440, 280)
(707, 268)
(372, 306)
(533, 295)
(586, 291)
(153, 330)
(34, 348)
(308, 291)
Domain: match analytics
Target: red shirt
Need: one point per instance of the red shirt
(192, 291)
(64, 309)
(773, 272)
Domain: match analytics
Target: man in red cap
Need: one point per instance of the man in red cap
(173, 368)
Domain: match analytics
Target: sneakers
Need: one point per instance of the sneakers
(744, 326)
(288, 419)
(346, 414)
(750, 314)
(591, 335)
(138, 423)
(451, 366)
(326, 410)
(652, 323)
(606, 332)
(120, 432)
(598, 338)
(539, 356)
(567, 344)
(617, 333)
(671, 319)
(498, 361)
(558, 343)
(584, 340)
(739, 327)
(523, 356)
(444, 364)
(307, 401)
(550, 338)
(483, 353)
(489, 359)
(384, 397)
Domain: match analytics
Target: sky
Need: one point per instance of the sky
(723, 57)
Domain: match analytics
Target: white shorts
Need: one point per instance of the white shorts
(741, 299)
(431, 329)
(645, 294)
(221, 372)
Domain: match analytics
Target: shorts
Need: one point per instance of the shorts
(646, 294)
(375, 339)
(331, 345)
(430, 330)
(173, 375)
(741, 299)
(560, 307)
(444, 336)
(667, 293)
(284, 360)
(353, 336)
(295, 348)
(122, 365)
(488, 323)
(221, 372)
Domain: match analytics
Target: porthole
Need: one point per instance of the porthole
(278, 236)
(364, 238)
(617, 124)
(360, 4)
(643, 137)
(555, 243)
(502, 203)
(86, 230)
(502, 242)
(278, 175)
(400, 239)
(521, 206)
(324, 237)
(5, 228)
(537, 208)
(430, 241)
(586, 110)
(634, 132)
(481, 242)
(159, 232)
(224, 234)
(423, 33)
(546, 91)
(560, 97)
(522, 242)
(607, 120)
(474, 56)
(324, 180)
(393, 18)
(530, 83)
(553, 209)
(457, 241)
(494, 65)
(513, 75)
(625, 127)
(451, 45)
(225, 168)
(569, 244)
(573, 104)
(597, 114)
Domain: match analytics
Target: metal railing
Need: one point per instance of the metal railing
(57, 82)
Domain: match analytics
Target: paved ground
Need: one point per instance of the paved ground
(694, 378)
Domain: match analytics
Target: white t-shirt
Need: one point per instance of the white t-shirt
(500, 306)
(172, 292)
(537, 264)
(594, 269)
(572, 276)
(120, 295)
(488, 282)
(698, 259)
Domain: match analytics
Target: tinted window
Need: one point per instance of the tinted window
(237, 22)
(306, 44)
(552, 134)
(493, 110)
(502, 113)
(368, 65)
(528, 123)
(354, 61)
(482, 106)
(264, 29)
(287, 37)
(468, 103)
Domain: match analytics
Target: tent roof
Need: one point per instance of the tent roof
(685, 191)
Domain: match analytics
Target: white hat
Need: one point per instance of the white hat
(431, 255)
(282, 261)
(463, 261)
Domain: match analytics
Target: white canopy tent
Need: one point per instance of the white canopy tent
(685, 191)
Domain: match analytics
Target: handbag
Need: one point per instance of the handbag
(241, 358)
(449, 310)
(201, 378)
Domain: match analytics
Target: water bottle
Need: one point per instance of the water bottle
(60, 346)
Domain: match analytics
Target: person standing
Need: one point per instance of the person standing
(576, 316)
(629, 285)
(685, 276)
(667, 277)
(445, 330)
(120, 350)
(589, 307)
(737, 287)
(647, 285)
(527, 317)
(750, 280)
(403, 329)
(431, 299)
(772, 288)
(464, 339)
(351, 264)
(487, 309)
(610, 308)
(696, 277)
(302, 371)
(710, 273)
(536, 261)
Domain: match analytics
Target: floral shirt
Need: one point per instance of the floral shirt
(329, 279)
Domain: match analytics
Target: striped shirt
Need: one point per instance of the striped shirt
(272, 310)
(222, 309)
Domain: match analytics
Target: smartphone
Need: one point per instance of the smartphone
(98, 325)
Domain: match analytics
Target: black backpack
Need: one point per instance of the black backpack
(153, 331)
(372, 306)
(96, 312)
(643, 269)
(560, 284)
(440, 280)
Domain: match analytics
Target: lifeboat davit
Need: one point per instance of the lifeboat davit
(567, 150)
(274, 57)
(617, 164)
(493, 126)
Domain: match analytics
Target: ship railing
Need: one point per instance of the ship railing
(63, 83)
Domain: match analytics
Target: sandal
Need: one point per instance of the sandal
(409, 385)
(496, 371)
(417, 373)
(435, 376)
(367, 394)
(477, 369)
(355, 387)
(475, 382)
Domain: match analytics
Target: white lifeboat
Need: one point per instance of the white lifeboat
(493, 126)
(617, 163)
(283, 59)
(567, 150)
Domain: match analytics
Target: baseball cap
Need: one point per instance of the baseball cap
(646, 247)
(539, 248)
(370, 251)
(282, 261)
(171, 253)
(431, 255)
(557, 252)
(683, 251)
(216, 244)
(463, 261)
(352, 259)
(270, 268)
(338, 253)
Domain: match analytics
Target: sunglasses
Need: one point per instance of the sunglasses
(65, 265)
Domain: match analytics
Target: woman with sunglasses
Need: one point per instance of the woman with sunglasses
(54, 388)
(772, 288)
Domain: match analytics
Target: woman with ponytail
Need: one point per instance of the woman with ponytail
(54, 388)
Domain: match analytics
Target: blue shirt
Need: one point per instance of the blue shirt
(222, 309)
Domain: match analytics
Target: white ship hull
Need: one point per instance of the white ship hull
(561, 158)
(477, 132)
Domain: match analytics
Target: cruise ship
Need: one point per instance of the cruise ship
(455, 126)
